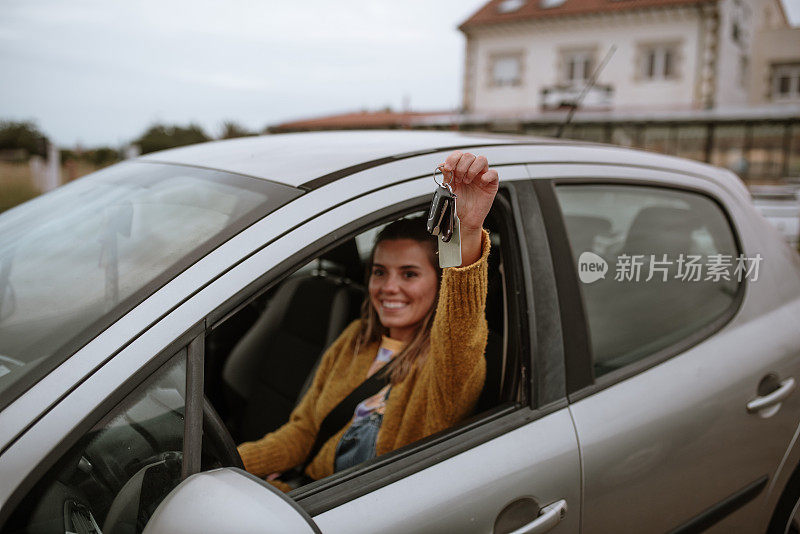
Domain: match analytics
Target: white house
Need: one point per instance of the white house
(669, 55)
(776, 66)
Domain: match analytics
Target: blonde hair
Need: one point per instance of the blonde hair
(372, 329)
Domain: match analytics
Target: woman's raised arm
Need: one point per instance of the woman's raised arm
(475, 185)
(455, 369)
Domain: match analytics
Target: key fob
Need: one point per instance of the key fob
(450, 251)
(438, 211)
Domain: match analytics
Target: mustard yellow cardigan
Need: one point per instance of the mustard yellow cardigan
(434, 396)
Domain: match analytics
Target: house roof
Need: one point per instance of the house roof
(492, 12)
(782, 10)
(349, 121)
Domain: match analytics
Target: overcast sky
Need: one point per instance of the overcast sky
(99, 72)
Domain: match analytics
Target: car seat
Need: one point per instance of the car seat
(583, 230)
(673, 226)
(265, 373)
(629, 318)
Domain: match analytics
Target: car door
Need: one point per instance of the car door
(517, 468)
(662, 375)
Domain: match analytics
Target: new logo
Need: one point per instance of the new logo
(591, 267)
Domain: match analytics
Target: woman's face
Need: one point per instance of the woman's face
(402, 286)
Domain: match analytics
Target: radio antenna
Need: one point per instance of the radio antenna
(586, 88)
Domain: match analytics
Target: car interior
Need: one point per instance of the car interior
(261, 359)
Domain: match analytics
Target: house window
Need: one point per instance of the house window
(786, 82)
(577, 66)
(506, 70)
(508, 6)
(658, 62)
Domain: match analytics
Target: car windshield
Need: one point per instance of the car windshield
(75, 259)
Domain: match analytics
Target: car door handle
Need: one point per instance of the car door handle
(549, 516)
(784, 390)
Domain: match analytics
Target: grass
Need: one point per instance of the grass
(16, 184)
(16, 181)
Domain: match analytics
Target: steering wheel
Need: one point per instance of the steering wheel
(219, 438)
(136, 501)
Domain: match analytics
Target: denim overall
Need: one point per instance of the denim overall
(358, 442)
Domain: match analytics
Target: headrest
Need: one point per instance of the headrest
(661, 230)
(346, 256)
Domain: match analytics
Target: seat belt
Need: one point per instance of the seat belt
(343, 412)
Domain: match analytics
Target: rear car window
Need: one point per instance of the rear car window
(73, 260)
(655, 266)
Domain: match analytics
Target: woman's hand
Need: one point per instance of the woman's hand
(475, 185)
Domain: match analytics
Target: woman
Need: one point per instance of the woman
(423, 328)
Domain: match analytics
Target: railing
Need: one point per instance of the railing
(564, 96)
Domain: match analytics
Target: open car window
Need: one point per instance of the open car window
(261, 358)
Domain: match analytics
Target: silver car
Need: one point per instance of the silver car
(641, 364)
(781, 207)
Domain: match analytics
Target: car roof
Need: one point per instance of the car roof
(297, 158)
(313, 159)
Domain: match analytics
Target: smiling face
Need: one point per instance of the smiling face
(402, 285)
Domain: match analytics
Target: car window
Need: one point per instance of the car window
(116, 475)
(655, 266)
(99, 241)
(261, 359)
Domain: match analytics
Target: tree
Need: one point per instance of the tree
(161, 137)
(97, 157)
(231, 130)
(66, 154)
(22, 135)
(102, 156)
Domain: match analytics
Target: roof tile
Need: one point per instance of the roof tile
(532, 9)
(361, 119)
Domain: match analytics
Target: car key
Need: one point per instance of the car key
(443, 222)
(450, 248)
(446, 229)
(439, 211)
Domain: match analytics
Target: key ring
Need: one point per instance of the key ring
(443, 183)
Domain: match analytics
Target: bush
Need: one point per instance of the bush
(22, 135)
(232, 130)
(103, 156)
(161, 137)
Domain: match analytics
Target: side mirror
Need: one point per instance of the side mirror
(228, 500)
